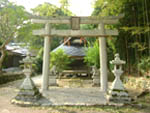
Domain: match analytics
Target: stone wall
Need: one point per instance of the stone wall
(8, 77)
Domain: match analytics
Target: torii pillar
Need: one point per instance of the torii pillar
(103, 59)
(46, 58)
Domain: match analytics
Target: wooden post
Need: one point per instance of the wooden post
(103, 59)
(46, 57)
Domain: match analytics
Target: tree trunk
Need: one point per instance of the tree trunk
(3, 51)
(127, 55)
(3, 54)
(147, 23)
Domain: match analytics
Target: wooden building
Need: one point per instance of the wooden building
(75, 48)
(15, 53)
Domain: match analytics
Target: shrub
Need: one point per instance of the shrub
(38, 61)
(92, 55)
(144, 65)
(60, 60)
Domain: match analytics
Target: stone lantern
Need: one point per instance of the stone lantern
(96, 76)
(118, 93)
(28, 93)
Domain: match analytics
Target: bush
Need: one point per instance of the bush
(38, 61)
(144, 65)
(92, 55)
(60, 60)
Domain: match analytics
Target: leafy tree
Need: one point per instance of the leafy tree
(60, 60)
(134, 28)
(11, 19)
(44, 10)
(64, 7)
(92, 55)
(57, 58)
(38, 61)
(64, 3)
(25, 35)
(48, 9)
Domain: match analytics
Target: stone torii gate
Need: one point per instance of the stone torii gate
(75, 31)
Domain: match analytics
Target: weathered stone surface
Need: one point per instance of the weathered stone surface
(96, 76)
(28, 93)
(118, 94)
(76, 96)
(77, 33)
(103, 58)
(83, 20)
(46, 58)
(53, 82)
(53, 76)
(27, 84)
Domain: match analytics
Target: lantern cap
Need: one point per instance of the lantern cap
(117, 60)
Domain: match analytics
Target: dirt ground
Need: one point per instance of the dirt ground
(9, 90)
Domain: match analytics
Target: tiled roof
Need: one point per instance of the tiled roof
(72, 50)
(16, 48)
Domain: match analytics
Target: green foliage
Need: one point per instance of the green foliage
(45, 10)
(133, 41)
(9, 26)
(25, 35)
(38, 61)
(11, 19)
(48, 9)
(137, 30)
(92, 54)
(144, 65)
(64, 7)
(60, 60)
(64, 3)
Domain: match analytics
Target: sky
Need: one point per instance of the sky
(78, 7)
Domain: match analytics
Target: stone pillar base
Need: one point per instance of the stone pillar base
(53, 81)
(28, 94)
(96, 85)
(119, 96)
(96, 82)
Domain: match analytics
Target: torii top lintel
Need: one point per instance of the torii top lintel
(75, 26)
(83, 20)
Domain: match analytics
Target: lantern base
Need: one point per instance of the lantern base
(119, 96)
(28, 93)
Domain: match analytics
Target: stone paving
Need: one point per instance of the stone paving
(72, 96)
(8, 91)
(75, 96)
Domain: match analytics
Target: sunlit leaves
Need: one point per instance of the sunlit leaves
(11, 18)
(139, 46)
(60, 60)
(137, 30)
(92, 54)
(48, 9)
(144, 64)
